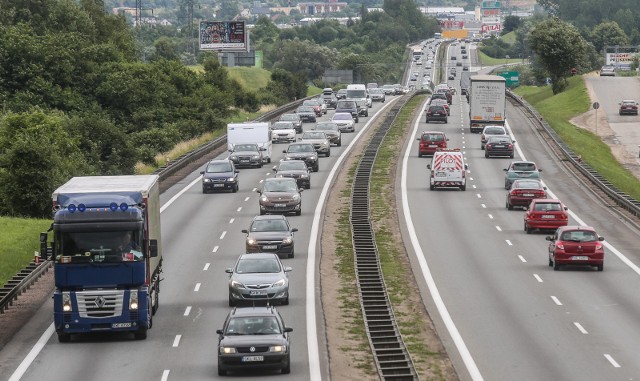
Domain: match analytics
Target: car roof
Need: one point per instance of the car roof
(253, 310)
(546, 200)
(220, 161)
(576, 227)
(269, 217)
(276, 179)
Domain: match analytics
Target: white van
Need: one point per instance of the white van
(251, 132)
(448, 169)
(359, 91)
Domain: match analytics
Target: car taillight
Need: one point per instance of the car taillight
(563, 216)
(488, 146)
(483, 137)
(510, 146)
(560, 246)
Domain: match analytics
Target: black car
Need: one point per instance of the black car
(296, 169)
(436, 112)
(499, 146)
(254, 338)
(341, 94)
(350, 106)
(307, 113)
(246, 155)
(302, 151)
(220, 175)
(295, 118)
(271, 234)
(363, 109)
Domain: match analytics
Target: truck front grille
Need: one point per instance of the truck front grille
(100, 304)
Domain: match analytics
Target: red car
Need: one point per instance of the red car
(629, 107)
(545, 214)
(576, 245)
(523, 191)
(431, 141)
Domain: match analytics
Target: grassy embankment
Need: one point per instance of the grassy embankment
(558, 109)
(396, 271)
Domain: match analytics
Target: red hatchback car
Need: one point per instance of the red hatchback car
(430, 142)
(523, 191)
(576, 245)
(545, 214)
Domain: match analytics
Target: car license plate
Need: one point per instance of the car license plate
(441, 174)
(121, 325)
(270, 247)
(432, 145)
(244, 161)
(579, 258)
(528, 194)
(218, 185)
(547, 216)
(257, 292)
(252, 358)
(498, 146)
(279, 205)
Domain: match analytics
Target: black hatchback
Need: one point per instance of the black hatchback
(436, 112)
(220, 175)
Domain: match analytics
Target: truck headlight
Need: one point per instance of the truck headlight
(66, 302)
(133, 300)
(227, 350)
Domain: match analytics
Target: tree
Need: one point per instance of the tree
(608, 34)
(511, 23)
(559, 47)
(303, 56)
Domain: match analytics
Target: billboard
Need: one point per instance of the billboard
(621, 60)
(223, 36)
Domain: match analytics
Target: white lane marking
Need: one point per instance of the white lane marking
(490, 216)
(176, 341)
(33, 353)
(522, 259)
(556, 300)
(223, 234)
(239, 209)
(206, 266)
(580, 328)
(508, 242)
(473, 186)
(498, 228)
(611, 360)
(478, 194)
(165, 375)
(174, 198)
(247, 199)
(484, 206)
(470, 364)
(261, 181)
(197, 287)
(187, 311)
(215, 249)
(254, 189)
(538, 278)
(470, 178)
(231, 220)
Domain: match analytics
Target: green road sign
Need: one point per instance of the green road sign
(512, 78)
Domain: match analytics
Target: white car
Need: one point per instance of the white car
(345, 121)
(283, 132)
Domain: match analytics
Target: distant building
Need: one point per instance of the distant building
(317, 8)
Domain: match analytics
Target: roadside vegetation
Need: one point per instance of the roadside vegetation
(18, 242)
(558, 109)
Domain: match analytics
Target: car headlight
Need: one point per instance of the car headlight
(232, 179)
(287, 240)
(314, 157)
(279, 283)
(279, 175)
(233, 157)
(236, 284)
(296, 197)
(66, 302)
(228, 350)
(256, 156)
(206, 180)
(278, 348)
(264, 198)
(133, 300)
(304, 176)
(251, 241)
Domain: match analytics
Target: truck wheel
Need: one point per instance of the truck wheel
(463, 188)
(155, 301)
(64, 337)
(141, 333)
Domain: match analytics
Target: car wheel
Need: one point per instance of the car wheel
(339, 143)
(285, 302)
(556, 266)
(509, 206)
(446, 120)
(328, 153)
(507, 185)
(511, 156)
(427, 120)
(486, 154)
(287, 368)
(221, 372)
(527, 229)
(432, 187)
(316, 168)
(298, 212)
(419, 154)
(600, 267)
(204, 191)
(260, 165)
(232, 303)
(262, 212)
(482, 147)
(236, 188)
(308, 186)
(292, 253)
(357, 120)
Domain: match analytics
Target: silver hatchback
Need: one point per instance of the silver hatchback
(258, 277)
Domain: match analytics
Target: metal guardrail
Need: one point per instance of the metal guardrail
(623, 200)
(392, 359)
(21, 282)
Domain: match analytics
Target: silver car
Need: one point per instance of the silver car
(283, 132)
(345, 121)
(331, 130)
(319, 140)
(258, 277)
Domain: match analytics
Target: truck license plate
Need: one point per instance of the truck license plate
(252, 358)
(579, 258)
(270, 247)
(121, 325)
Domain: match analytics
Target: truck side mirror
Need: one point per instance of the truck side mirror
(153, 248)
(43, 246)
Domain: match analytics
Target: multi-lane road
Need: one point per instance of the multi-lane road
(501, 312)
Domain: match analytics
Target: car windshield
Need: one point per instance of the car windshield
(305, 109)
(526, 184)
(269, 226)
(301, 148)
(253, 325)
(280, 186)
(219, 167)
(326, 127)
(494, 131)
(245, 147)
(523, 167)
(292, 165)
(579, 236)
(313, 135)
(258, 266)
(289, 117)
(433, 137)
(341, 116)
(548, 207)
(282, 126)
(349, 104)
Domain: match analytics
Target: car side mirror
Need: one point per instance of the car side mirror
(539, 170)
(600, 238)
(245, 231)
(466, 166)
(300, 190)
(288, 269)
(428, 166)
(416, 139)
(230, 150)
(202, 172)
(548, 238)
(258, 191)
(275, 169)
(219, 331)
(565, 208)
(505, 169)
(513, 141)
(229, 271)
(288, 329)
(284, 151)
(545, 188)
(293, 230)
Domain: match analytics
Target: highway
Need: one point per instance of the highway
(513, 317)
(201, 238)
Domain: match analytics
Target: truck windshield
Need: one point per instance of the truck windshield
(356, 94)
(99, 247)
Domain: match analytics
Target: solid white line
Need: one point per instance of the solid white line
(611, 360)
(231, 220)
(470, 364)
(223, 234)
(498, 228)
(24, 365)
(312, 328)
(215, 249)
(187, 311)
(538, 278)
(176, 341)
(197, 287)
(556, 300)
(165, 375)
(174, 198)
(580, 328)
(508, 242)
(206, 266)
(522, 259)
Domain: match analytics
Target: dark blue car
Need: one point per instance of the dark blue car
(220, 175)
